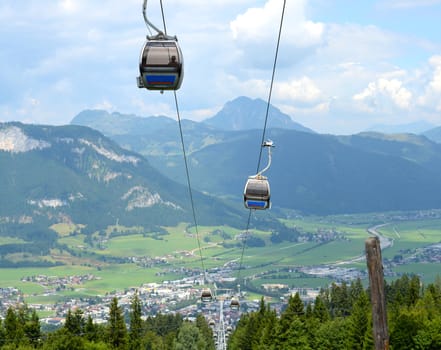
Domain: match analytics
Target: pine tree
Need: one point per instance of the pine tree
(242, 338)
(32, 328)
(331, 335)
(355, 290)
(414, 290)
(320, 311)
(62, 340)
(368, 343)
(152, 341)
(404, 328)
(14, 332)
(294, 309)
(2, 334)
(308, 312)
(74, 323)
(206, 331)
(291, 333)
(189, 338)
(91, 330)
(359, 321)
(434, 290)
(430, 336)
(340, 300)
(117, 331)
(135, 333)
(268, 333)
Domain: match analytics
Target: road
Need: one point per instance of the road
(385, 242)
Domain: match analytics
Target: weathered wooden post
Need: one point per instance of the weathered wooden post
(378, 298)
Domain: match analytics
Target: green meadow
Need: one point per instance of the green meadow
(109, 260)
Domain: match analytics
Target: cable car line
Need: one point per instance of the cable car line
(271, 84)
(263, 142)
(189, 185)
(163, 18)
(161, 68)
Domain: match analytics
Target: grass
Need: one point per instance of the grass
(180, 247)
(428, 272)
(10, 240)
(74, 241)
(64, 229)
(408, 236)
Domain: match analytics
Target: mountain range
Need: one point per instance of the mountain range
(74, 174)
(311, 173)
(115, 168)
(419, 127)
(433, 134)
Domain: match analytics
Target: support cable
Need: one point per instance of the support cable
(190, 191)
(271, 85)
(189, 185)
(263, 132)
(163, 18)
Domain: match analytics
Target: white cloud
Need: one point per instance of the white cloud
(106, 105)
(435, 84)
(256, 30)
(302, 90)
(254, 88)
(69, 6)
(383, 91)
(201, 114)
(258, 24)
(358, 43)
(144, 108)
(74, 54)
(431, 98)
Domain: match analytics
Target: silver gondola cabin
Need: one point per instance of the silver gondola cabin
(257, 193)
(161, 64)
(206, 295)
(234, 304)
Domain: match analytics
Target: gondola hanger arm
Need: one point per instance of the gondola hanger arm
(160, 33)
(269, 144)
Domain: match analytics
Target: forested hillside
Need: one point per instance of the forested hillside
(340, 318)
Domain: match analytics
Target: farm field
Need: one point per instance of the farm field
(124, 260)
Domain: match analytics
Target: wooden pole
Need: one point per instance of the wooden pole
(378, 298)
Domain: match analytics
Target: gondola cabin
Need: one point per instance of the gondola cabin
(161, 65)
(234, 304)
(257, 193)
(206, 295)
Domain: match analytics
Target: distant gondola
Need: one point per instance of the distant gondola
(206, 295)
(234, 304)
(257, 193)
(161, 64)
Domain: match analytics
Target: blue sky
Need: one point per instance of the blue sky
(343, 65)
